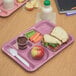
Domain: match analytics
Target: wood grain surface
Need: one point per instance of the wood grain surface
(64, 64)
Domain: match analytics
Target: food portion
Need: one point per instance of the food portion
(30, 33)
(34, 36)
(31, 5)
(37, 52)
(50, 39)
(35, 3)
(60, 33)
(50, 42)
(21, 41)
(20, 1)
(55, 39)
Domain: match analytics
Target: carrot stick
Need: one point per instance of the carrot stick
(38, 39)
(34, 36)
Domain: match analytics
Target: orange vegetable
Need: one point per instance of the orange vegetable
(33, 38)
(38, 39)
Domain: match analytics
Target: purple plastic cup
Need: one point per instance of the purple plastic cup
(22, 42)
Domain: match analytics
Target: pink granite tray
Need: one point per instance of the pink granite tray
(43, 27)
(5, 13)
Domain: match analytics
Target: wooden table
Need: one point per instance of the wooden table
(64, 64)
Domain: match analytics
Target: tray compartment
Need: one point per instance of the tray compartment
(14, 44)
(36, 31)
(20, 52)
(34, 61)
(64, 45)
(6, 13)
(44, 27)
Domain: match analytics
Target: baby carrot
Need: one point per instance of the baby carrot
(34, 36)
(38, 39)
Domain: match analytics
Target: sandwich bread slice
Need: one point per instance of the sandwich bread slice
(60, 34)
(50, 39)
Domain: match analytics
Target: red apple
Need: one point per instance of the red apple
(37, 52)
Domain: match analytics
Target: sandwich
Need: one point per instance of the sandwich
(60, 34)
(55, 39)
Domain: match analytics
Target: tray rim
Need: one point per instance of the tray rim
(16, 60)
